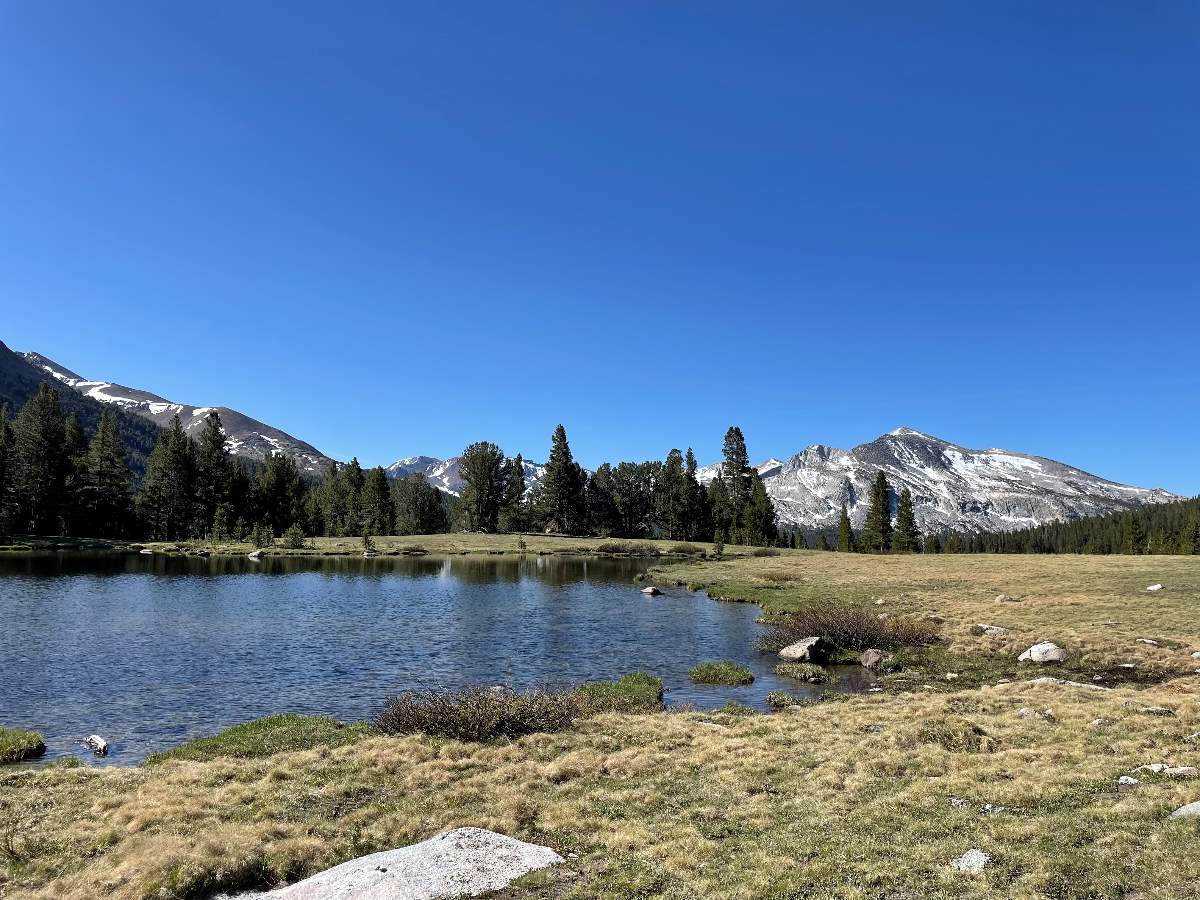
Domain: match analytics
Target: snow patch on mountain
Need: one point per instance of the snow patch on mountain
(953, 488)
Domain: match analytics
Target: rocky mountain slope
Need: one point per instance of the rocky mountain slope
(443, 473)
(953, 488)
(244, 435)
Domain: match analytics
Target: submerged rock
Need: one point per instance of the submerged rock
(811, 649)
(466, 862)
(1044, 652)
(96, 744)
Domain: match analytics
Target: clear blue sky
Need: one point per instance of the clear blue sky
(396, 228)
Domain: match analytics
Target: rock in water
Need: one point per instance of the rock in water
(651, 591)
(1044, 652)
(466, 862)
(871, 659)
(972, 862)
(96, 744)
(811, 649)
(255, 555)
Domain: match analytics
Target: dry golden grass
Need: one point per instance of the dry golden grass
(846, 799)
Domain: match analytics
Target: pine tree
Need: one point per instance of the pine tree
(931, 544)
(877, 528)
(38, 462)
(758, 519)
(699, 513)
(735, 472)
(1134, 541)
(213, 473)
(845, 542)
(602, 507)
(824, 542)
(72, 519)
(105, 495)
(377, 503)
(279, 493)
(722, 517)
(907, 537)
(673, 498)
(513, 516)
(1189, 539)
(485, 485)
(562, 488)
(419, 507)
(7, 495)
(167, 499)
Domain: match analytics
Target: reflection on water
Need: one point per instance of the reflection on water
(153, 650)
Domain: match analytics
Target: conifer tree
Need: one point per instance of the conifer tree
(1189, 539)
(7, 495)
(39, 464)
(907, 538)
(213, 473)
(485, 485)
(167, 499)
(377, 503)
(825, 542)
(512, 511)
(279, 495)
(562, 488)
(845, 542)
(758, 519)
(105, 495)
(876, 534)
(699, 514)
(419, 507)
(719, 503)
(672, 498)
(932, 544)
(1134, 541)
(602, 507)
(735, 471)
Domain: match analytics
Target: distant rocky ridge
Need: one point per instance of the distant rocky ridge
(244, 436)
(953, 488)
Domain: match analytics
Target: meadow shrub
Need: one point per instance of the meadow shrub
(17, 745)
(635, 692)
(725, 672)
(294, 538)
(764, 551)
(625, 548)
(847, 627)
(781, 700)
(480, 713)
(957, 736)
(686, 550)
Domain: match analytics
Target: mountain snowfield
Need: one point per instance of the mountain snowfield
(244, 436)
(953, 488)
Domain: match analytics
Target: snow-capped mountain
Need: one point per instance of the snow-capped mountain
(953, 488)
(244, 436)
(443, 473)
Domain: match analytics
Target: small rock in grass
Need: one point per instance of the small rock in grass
(879, 602)
(936, 620)
(1125, 782)
(959, 803)
(1154, 587)
(1192, 810)
(1196, 655)
(1181, 771)
(991, 809)
(1159, 711)
(1027, 713)
(993, 631)
(951, 676)
(1194, 738)
(1148, 642)
(1152, 768)
(1101, 723)
(1063, 682)
(1044, 652)
(973, 861)
(1004, 598)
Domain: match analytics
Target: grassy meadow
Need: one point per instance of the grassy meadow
(863, 796)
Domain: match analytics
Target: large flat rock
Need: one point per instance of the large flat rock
(462, 863)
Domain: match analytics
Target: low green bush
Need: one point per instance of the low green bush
(626, 548)
(266, 737)
(847, 627)
(764, 551)
(686, 550)
(17, 745)
(957, 736)
(725, 672)
(803, 672)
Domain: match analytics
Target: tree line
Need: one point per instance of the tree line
(55, 481)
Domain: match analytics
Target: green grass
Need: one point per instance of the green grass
(265, 737)
(803, 672)
(724, 672)
(635, 692)
(17, 745)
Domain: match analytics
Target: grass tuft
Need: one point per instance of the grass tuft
(957, 736)
(803, 672)
(725, 672)
(848, 627)
(17, 745)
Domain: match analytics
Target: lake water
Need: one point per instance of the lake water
(152, 651)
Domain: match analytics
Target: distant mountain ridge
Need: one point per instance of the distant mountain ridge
(244, 436)
(953, 488)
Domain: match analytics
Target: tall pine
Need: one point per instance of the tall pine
(105, 494)
(845, 542)
(167, 498)
(907, 538)
(7, 495)
(562, 488)
(39, 463)
(876, 534)
(485, 486)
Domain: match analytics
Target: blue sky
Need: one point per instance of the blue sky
(394, 228)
